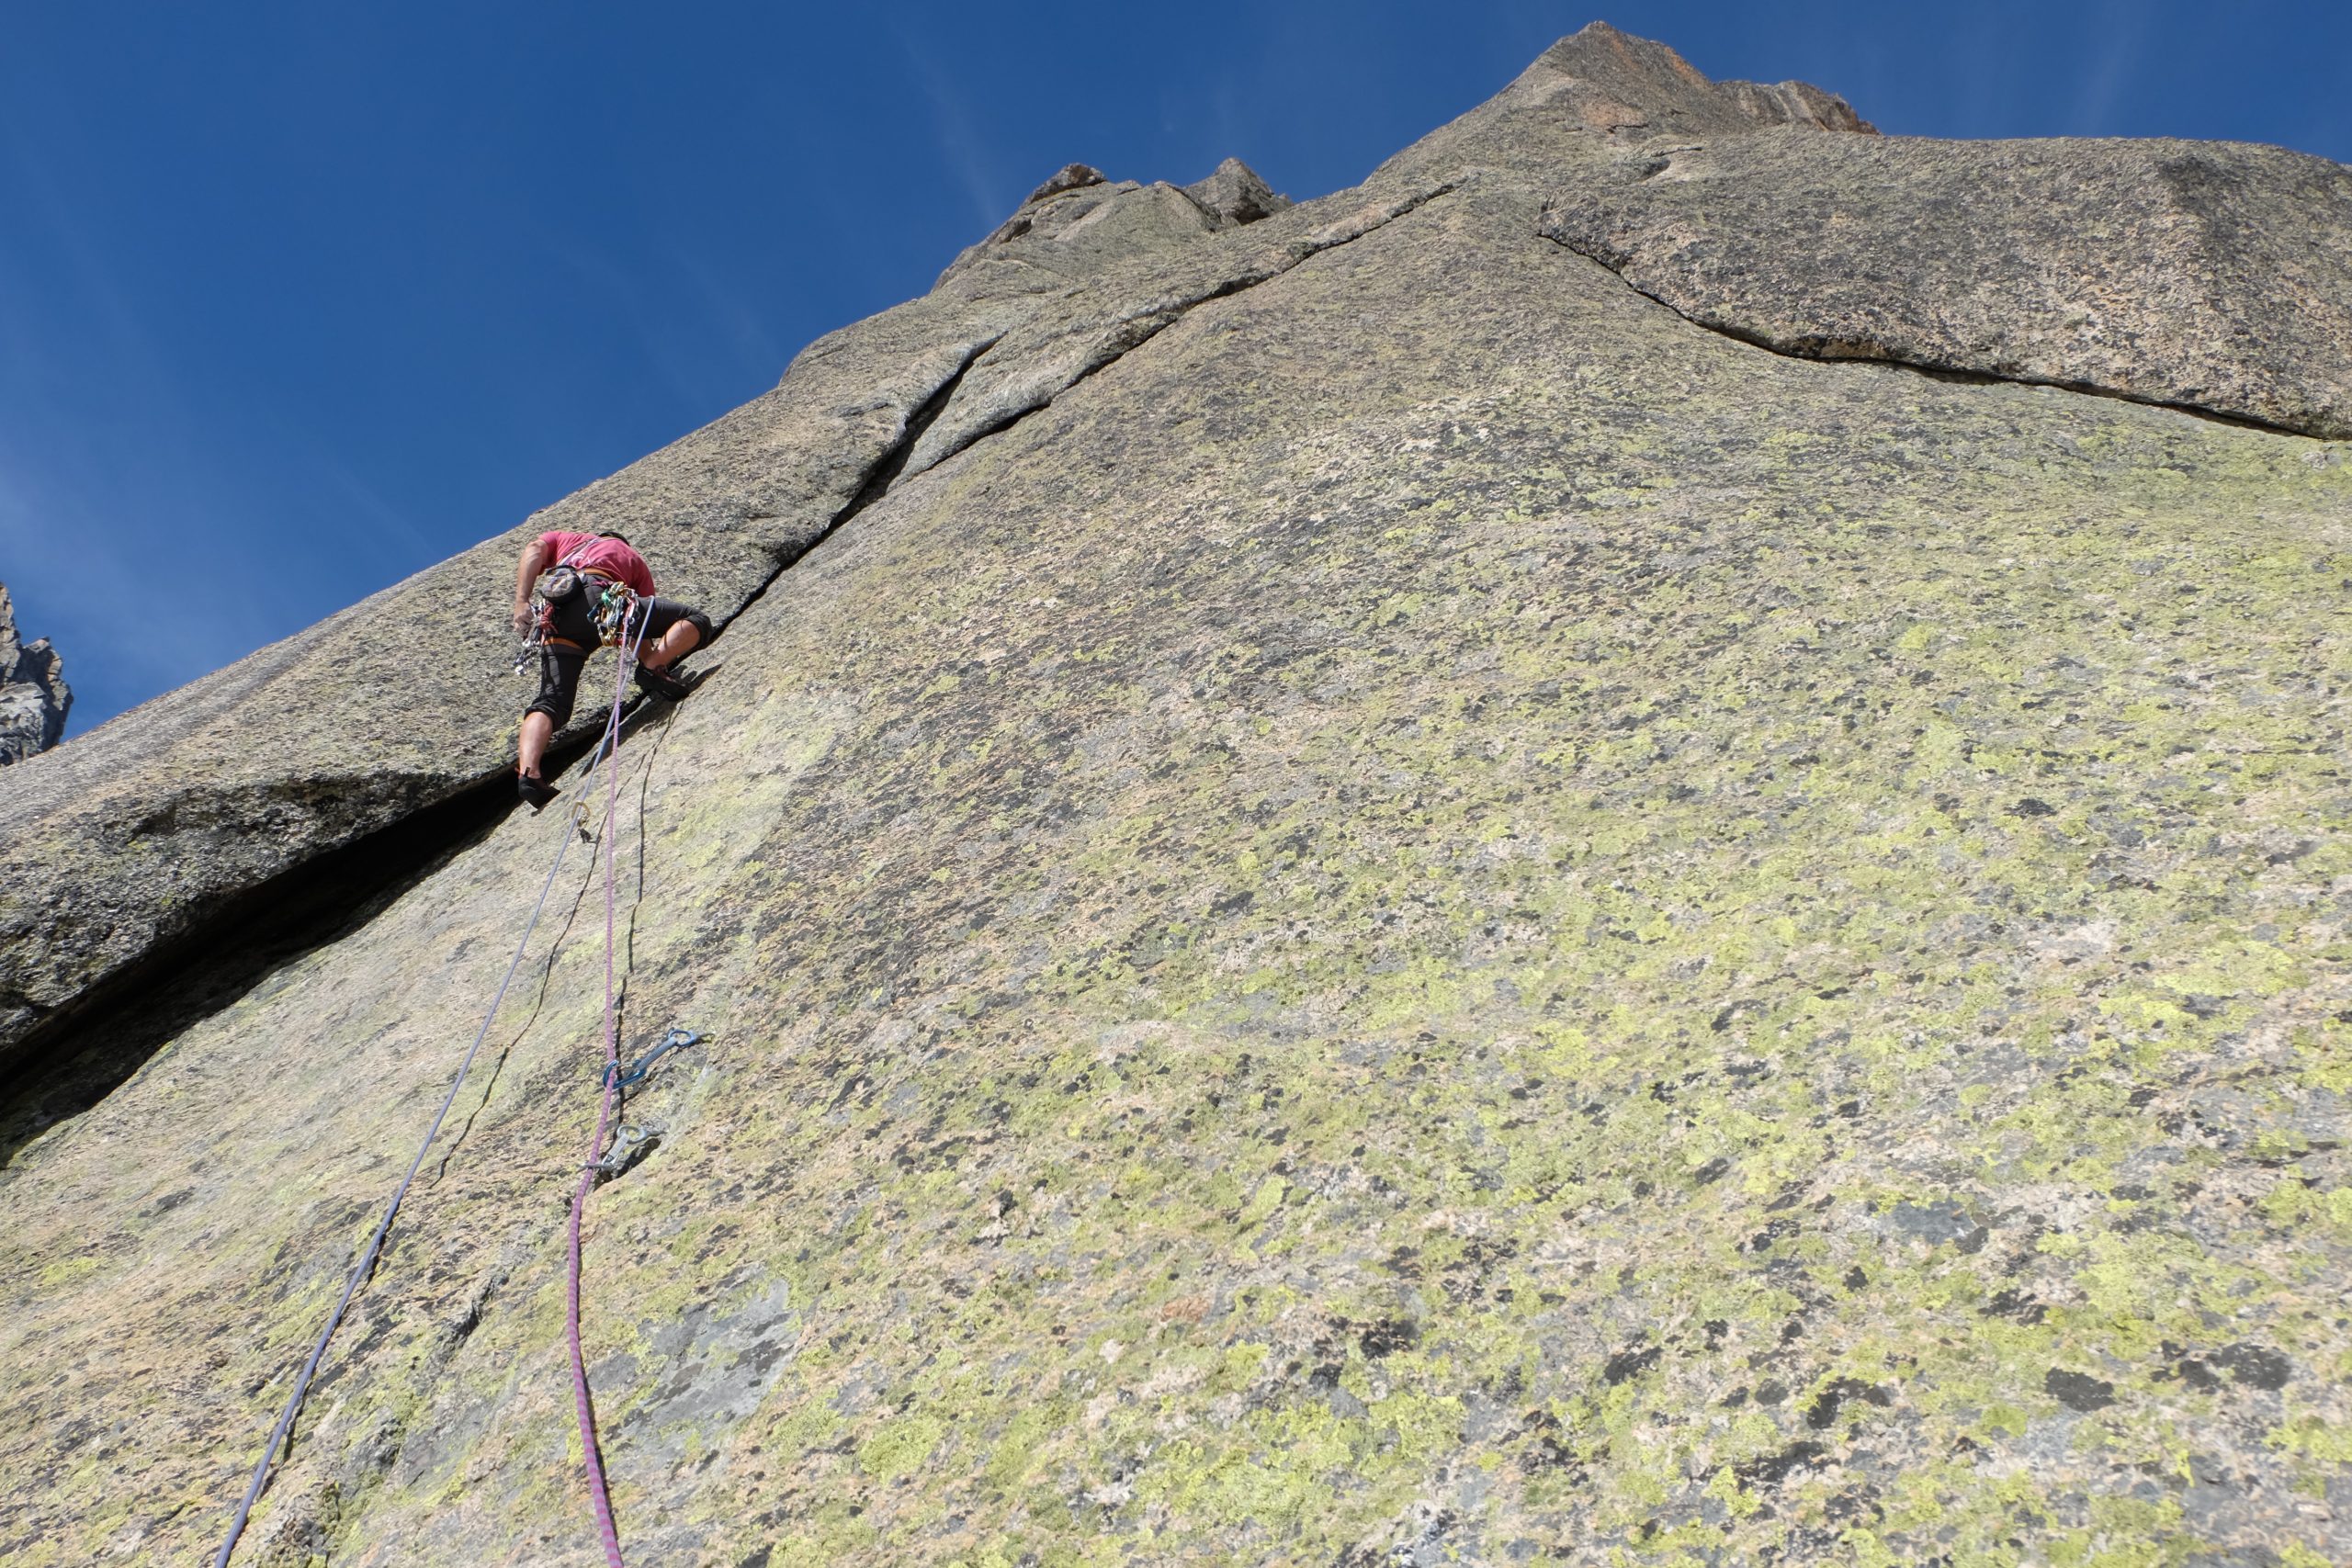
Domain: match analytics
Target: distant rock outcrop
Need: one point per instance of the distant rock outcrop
(1392, 881)
(1234, 194)
(1079, 222)
(34, 698)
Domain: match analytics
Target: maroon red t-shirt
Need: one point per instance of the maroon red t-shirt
(593, 552)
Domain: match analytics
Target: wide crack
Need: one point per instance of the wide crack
(884, 473)
(1130, 333)
(91, 1045)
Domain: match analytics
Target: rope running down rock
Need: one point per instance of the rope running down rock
(595, 1461)
(608, 746)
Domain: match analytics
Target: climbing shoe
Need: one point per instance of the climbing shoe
(538, 792)
(661, 684)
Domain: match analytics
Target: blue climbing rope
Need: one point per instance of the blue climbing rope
(375, 1244)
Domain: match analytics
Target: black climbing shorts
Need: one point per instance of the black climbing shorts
(575, 621)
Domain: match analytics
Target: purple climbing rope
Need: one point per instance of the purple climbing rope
(598, 1496)
(609, 747)
(366, 1263)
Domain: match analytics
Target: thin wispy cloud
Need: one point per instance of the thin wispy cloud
(417, 549)
(741, 326)
(2117, 34)
(958, 142)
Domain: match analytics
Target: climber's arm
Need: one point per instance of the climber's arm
(535, 561)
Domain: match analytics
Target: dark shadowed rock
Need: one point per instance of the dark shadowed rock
(2206, 276)
(34, 698)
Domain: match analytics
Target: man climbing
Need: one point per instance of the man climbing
(568, 631)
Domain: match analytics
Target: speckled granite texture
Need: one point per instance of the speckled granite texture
(2210, 276)
(1429, 916)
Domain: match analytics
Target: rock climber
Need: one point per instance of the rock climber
(567, 631)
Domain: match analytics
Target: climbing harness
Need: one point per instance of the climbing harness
(678, 1039)
(607, 749)
(559, 582)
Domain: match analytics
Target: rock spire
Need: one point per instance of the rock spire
(34, 697)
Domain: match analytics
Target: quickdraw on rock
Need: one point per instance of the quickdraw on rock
(630, 1143)
(534, 641)
(678, 1039)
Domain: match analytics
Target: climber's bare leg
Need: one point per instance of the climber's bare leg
(532, 744)
(675, 644)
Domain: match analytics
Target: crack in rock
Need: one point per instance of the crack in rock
(1035, 363)
(2210, 278)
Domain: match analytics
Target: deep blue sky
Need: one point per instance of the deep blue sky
(296, 299)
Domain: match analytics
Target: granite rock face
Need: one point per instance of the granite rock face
(220, 790)
(1368, 900)
(34, 697)
(2203, 276)
(1626, 86)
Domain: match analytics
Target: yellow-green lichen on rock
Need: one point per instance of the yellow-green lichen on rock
(1432, 915)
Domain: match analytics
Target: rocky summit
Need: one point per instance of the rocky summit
(34, 697)
(1626, 849)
